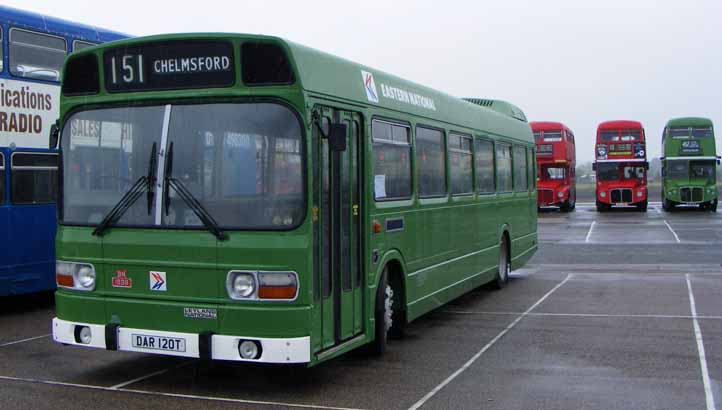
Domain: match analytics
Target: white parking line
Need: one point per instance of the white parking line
(601, 315)
(476, 357)
(176, 395)
(673, 232)
(700, 349)
(30, 339)
(591, 229)
(657, 210)
(148, 376)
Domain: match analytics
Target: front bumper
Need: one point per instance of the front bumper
(219, 347)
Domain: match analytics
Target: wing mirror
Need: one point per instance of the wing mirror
(54, 135)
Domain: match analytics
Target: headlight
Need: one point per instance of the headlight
(241, 285)
(86, 277)
(603, 194)
(640, 194)
(280, 286)
(76, 276)
(561, 194)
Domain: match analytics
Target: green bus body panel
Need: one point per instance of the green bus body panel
(448, 246)
(672, 148)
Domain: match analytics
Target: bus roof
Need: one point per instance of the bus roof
(689, 122)
(548, 126)
(620, 125)
(325, 75)
(30, 20)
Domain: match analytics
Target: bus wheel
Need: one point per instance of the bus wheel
(502, 274)
(565, 206)
(382, 315)
(713, 206)
(601, 207)
(642, 206)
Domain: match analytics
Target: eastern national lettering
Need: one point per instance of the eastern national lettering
(407, 97)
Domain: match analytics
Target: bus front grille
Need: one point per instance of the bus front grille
(621, 195)
(546, 196)
(691, 194)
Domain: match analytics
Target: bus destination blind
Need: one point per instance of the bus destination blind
(169, 65)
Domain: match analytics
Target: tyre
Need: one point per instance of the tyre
(642, 206)
(381, 316)
(565, 206)
(502, 273)
(574, 202)
(602, 207)
(713, 206)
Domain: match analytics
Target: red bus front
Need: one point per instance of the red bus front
(621, 165)
(556, 163)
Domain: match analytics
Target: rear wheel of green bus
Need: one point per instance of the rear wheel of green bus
(502, 274)
(713, 206)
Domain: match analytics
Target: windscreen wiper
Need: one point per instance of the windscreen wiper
(188, 198)
(126, 201)
(197, 208)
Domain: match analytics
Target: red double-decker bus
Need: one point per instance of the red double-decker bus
(621, 165)
(556, 164)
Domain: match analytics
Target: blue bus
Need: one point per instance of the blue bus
(33, 50)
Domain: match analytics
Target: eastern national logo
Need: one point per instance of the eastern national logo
(121, 279)
(158, 282)
(370, 86)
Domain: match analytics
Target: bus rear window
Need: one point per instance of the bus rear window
(679, 132)
(34, 178)
(265, 64)
(35, 55)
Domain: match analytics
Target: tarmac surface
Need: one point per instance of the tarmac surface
(621, 310)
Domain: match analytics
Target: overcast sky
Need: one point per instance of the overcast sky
(570, 61)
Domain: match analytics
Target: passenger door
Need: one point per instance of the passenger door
(337, 226)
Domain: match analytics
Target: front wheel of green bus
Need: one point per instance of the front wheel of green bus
(382, 316)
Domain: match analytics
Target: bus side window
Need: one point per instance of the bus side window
(520, 169)
(392, 161)
(485, 176)
(2, 178)
(34, 178)
(431, 162)
(36, 55)
(503, 167)
(461, 162)
(2, 47)
(81, 45)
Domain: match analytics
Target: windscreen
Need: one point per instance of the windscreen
(702, 171)
(607, 171)
(554, 174)
(242, 162)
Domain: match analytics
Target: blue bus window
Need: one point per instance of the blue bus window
(2, 178)
(2, 56)
(34, 178)
(36, 55)
(81, 45)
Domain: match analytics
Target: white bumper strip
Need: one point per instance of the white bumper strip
(291, 350)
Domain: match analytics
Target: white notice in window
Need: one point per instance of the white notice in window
(380, 186)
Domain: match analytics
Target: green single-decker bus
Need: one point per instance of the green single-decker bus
(245, 198)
